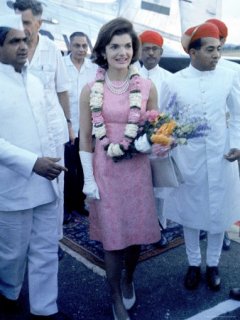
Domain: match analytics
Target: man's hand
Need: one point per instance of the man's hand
(71, 134)
(233, 154)
(48, 167)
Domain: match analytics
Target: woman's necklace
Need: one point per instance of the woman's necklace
(117, 151)
(114, 88)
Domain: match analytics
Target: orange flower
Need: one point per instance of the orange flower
(161, 139)
(167, 128)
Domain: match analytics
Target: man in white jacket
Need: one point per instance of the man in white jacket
(223, 33)
(210, 197)
(46, 62)
(28, 187)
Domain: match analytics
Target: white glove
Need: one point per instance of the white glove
(142, 145)
(90, 188)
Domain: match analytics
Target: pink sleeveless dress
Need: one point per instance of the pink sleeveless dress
(126, 214)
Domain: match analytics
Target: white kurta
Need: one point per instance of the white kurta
(210, 197)
(28, 212)
(78, 78)
(24, 136)
(47, 64)
(157, 75)
(229, 64)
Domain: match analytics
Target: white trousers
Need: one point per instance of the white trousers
(214, 247)
(30, 237)
(159, 207)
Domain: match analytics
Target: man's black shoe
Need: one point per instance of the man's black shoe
(226, 242)
(235, 294)
(213, 279)
(55, 316)
(192, 277)
(9, 306)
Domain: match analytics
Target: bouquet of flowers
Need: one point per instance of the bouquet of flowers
(165, 131)
(173, 127)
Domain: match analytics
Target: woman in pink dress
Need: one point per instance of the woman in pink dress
(122, 210)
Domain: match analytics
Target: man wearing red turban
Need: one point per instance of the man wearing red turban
(205, 30)
(151, 53)
(222, 28)
(209, 199)
(223, 33)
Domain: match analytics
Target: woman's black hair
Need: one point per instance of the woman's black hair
(118, 26)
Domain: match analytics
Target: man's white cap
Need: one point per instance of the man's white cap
(12, 21)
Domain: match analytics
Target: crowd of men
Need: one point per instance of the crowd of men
(39, 139)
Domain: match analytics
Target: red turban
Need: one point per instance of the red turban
(151, 37)
(223, 30)
(204, 30)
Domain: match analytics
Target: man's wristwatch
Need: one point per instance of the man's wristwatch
(69, 121)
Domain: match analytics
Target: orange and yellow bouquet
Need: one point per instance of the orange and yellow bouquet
(168, 131)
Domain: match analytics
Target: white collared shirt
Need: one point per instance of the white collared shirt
(47, 64)
(78, 79)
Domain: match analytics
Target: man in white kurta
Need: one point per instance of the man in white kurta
(28, 163)
(210, 197)
(151, 53)
(46, 62)
(223, 33)
(80, 71)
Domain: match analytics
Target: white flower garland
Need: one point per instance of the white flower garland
(116, 150)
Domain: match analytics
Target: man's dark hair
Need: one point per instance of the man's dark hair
(77, 34)
(34, 5)
(81, 34)
(3, 34)
(197, 44)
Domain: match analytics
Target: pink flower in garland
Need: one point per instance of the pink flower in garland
(134, 115)
(104, 141)
(151, 115)
(116, 150)
(100, 75)
(97, 118)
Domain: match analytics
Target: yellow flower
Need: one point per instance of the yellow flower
(161, 139)
(167, 128)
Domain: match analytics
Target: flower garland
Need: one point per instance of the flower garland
(117, 151)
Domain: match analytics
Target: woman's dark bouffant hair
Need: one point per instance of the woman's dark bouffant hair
(118, 26)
